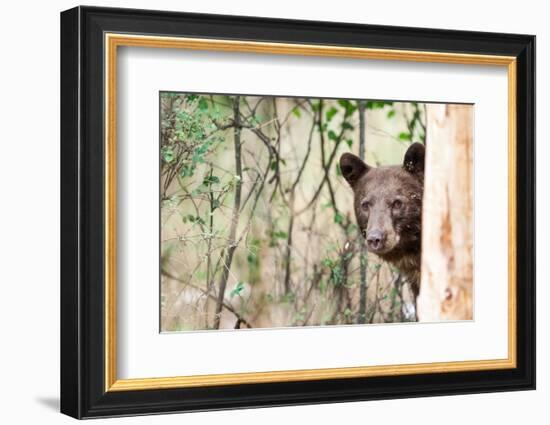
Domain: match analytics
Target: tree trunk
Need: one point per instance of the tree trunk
(447, 233)
(235, 215)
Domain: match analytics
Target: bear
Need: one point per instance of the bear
(388, 209)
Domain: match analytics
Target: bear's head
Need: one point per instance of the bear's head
(388, 202)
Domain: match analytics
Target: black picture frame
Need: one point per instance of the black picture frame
(83, 392)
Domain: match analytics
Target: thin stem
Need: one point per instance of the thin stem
(363, 264)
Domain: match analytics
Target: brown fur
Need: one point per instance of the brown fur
(388, 204)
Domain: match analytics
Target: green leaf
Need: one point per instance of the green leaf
(237, 289)
(187, 170)
(327, 262)
(203, 104)
(405, 136)
(348, 106)
(331, 112)
(332, 135)
(349, 142)
(193, 219)
(167, 155)
(343, 103)
(347, 126)
(391, 113)
(296, 112)
(338, 218)
(210, 180)
(280, 234)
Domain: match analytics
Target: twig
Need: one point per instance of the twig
(224, 304)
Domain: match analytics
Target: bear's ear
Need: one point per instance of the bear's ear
(353, 168)
(414, 159)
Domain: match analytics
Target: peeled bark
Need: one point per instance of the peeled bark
(446, 289)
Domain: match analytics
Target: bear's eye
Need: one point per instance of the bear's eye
(397, 204)
(365, 205)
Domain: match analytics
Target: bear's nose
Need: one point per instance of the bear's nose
(375, 239)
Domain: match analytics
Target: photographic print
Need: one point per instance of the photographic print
(289, 212)
(313, 210)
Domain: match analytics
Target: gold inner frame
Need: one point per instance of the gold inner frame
(113, 41)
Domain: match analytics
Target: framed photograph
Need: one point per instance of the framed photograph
(261, 212)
